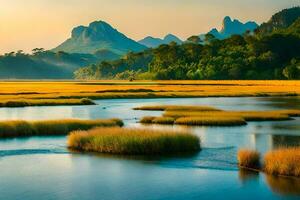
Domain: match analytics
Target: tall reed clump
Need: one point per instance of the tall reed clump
(133, 141)
(249, 158)
(10, 129)
(284, 161)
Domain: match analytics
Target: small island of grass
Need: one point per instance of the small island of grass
(45, 102)
(133, 141)
(210, 116)
(20, 128)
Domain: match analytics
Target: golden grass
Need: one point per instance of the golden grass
(210, 116)
(246, 115)
(10, 129)
(147, 120)
(132, 141)
(249, 158)
(285, 161)
(210, 121)
(27, 90)
(163, 120)
(45, 102)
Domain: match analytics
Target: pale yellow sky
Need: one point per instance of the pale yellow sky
(26, 24)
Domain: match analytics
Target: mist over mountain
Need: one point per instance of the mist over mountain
(233, 27)
(152, 42)
(99, 35)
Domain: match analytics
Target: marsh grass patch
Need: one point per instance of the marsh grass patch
(20, 128)
(133, 141)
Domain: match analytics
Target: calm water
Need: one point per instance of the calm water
(42, 168)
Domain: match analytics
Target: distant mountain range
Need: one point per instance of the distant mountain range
(232, 27)
(152, 42)
(99, 35)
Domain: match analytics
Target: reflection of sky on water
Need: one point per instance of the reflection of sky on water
(54, 173)
(259, 135)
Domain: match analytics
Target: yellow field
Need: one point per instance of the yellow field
(144, 89)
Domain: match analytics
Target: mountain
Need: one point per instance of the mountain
(232, 27)
(171, 38)
(152, 42)
(271, 56)
(99, 35)
(280, 20)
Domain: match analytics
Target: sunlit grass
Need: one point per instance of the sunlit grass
(44, 102)
(163, 120)
(147, 120)
(210, 121)
(132, 141)
(26, 90)
(284, 161)
(249, 158)
(210, 116)
(10, 129)
(246, 115)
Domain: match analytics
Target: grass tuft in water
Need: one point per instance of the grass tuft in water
(210, 121)
(284, 161)
(147, 120)
(132, 141)
(10, 129)
(249, 158)
(45, 102)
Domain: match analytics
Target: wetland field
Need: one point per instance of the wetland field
(148, 140)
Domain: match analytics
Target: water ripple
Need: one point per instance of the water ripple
(18, 152)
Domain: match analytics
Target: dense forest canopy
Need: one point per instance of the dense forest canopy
(273, 52)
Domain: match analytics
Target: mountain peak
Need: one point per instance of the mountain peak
(171, 38)
(98, 35)
(232, 27)
(153, 42)
(227, 19)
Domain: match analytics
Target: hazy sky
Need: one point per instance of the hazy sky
(25, 24)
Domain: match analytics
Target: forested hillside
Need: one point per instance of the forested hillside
(271, 53)
(45, 64)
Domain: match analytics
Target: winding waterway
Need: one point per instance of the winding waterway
(42, 168)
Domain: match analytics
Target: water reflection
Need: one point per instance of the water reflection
(282, 102)
(246, 176)
(283, 186)
(263, 142)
